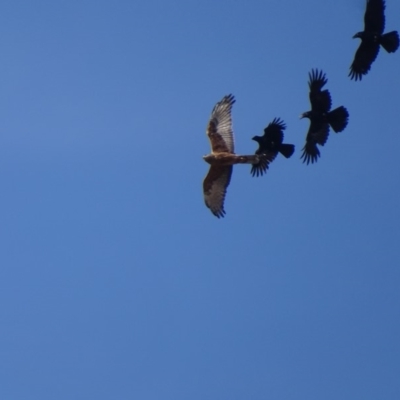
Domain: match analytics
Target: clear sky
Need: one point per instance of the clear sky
(116, 282)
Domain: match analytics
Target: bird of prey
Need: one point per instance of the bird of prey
(222, 157)
(372, 37)
(270, 144)
(321, 117)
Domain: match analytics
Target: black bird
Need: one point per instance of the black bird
(321, 117)
(372, 37)
(270, 144)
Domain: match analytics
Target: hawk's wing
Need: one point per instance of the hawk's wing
(214, 187)
(219, 129)
(365, 56)
(320, 99)
(374, 17)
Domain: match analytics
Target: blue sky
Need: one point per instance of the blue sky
(116, 282)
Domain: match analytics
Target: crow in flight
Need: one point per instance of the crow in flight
(371, 39)
(271, 144)
(321, 117)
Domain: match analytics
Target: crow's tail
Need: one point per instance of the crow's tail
(390, 41)
(287, 150)
(338, 119)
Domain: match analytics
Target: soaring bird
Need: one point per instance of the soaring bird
(222, 157)
(270, 144)
(321, 117)
(372, 37)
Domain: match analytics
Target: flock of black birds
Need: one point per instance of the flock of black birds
(321, 117)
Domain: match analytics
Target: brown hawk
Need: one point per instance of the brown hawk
(222, 157)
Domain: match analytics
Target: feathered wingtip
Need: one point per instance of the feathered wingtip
(310, 153)
(277, 122)
(356, 76)
(274, 131)
(220, 213)
(261, 167)
(228, 100)
(317, 79)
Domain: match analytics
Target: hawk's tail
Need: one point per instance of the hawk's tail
(287, 150)
(338, 119)
(390, 41)
(253, 159)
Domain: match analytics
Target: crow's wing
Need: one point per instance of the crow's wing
(320, 99)
(363, 59)
(374, 17)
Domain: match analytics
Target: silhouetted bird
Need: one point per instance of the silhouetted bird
(372, 38)
(320, 117)
(270, 144)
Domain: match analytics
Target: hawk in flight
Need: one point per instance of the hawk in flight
(222, 157)
(320, 116)
(270, 144)
(372, 37)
